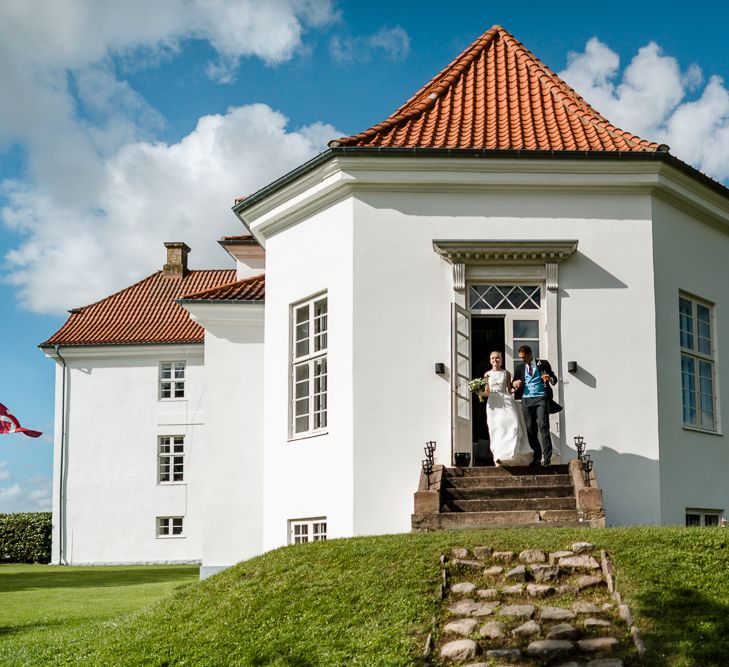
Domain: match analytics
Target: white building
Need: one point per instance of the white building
(494, 208)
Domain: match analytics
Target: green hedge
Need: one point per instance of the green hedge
(25, 537)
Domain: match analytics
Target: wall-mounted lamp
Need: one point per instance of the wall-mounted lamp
(571, 366)
(440, 368)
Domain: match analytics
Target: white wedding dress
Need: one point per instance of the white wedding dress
(509, 442)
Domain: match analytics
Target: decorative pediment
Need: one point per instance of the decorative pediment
(546, 254)
(505, 252)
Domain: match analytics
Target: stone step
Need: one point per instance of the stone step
(501, 471)
(504, 519)
(523, 491)
(506, 481)
(508, 504)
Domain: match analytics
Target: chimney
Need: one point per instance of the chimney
(176, 259)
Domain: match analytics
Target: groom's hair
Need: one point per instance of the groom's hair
(525, 349)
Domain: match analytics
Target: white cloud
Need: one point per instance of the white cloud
(4, 474)
(100, 195)
(31, 495)
(145, 194)
(649, 99)
(394, 42)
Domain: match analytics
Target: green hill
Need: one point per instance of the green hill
(370, 601)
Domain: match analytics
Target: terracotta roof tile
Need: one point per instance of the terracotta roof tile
(146, 312)
(498, 95)
(250, 289)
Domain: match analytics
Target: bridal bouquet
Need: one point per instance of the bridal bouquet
(477, 386)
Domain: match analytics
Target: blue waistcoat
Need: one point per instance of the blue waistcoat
(533, 385)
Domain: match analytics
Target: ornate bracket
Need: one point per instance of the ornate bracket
(459, 276)
(552, 270)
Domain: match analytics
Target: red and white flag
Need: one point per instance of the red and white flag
(9, 424)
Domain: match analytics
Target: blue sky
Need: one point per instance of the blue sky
(126, 124)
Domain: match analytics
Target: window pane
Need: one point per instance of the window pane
(688, 389)
(534, 344)
(179, 370)
(686, 323)
(526, 329)
(302, 314)
(166, 391)
(177, 526)
(706, 392)
(301, 424)
(703, 324)
(711, 519)
(693, 519)
(166, 371)
(302, 406)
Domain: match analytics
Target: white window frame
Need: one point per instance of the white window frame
(307, 530)
(702, 514)
(309, 355)
(171, 458)
(172, 382)
(167, 523)
(698, 357)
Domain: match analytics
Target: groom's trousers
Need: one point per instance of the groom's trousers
(536, 420)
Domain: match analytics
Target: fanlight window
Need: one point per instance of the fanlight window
(505, 297)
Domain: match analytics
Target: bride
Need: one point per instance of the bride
(509, 443)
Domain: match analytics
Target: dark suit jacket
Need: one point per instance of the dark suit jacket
(543, 366)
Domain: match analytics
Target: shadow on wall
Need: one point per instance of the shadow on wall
(580, 272)
(629, 483)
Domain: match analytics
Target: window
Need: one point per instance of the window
(172, 379)
(170, 458)
(708, 518)
(309, 367)
(307, 530)
(697, 363)
(505, 297)
(169, 526)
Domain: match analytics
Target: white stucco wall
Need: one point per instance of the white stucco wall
(309, 477)
(395, 292)
(232, 477)
(690, 256)
(402, 296)
(114, 416)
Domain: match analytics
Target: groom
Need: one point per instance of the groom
(533, 380)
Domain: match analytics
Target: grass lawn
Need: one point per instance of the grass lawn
(363, 601)
(45, 609)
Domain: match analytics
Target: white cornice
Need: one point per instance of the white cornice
(226, 314)
(342, 176)
(514, 252)
(150, 351)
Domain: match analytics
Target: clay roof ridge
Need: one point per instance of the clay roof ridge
(216, 288)
(426, 97)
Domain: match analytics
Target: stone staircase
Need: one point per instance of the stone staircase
(484, 497)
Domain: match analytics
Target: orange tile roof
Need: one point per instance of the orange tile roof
(146, 312)
(498, 95)
(250, 289)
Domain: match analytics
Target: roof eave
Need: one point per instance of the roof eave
(53, 346)
(241, 301)
(638, 156)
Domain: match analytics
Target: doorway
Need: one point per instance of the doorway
(487, 334)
